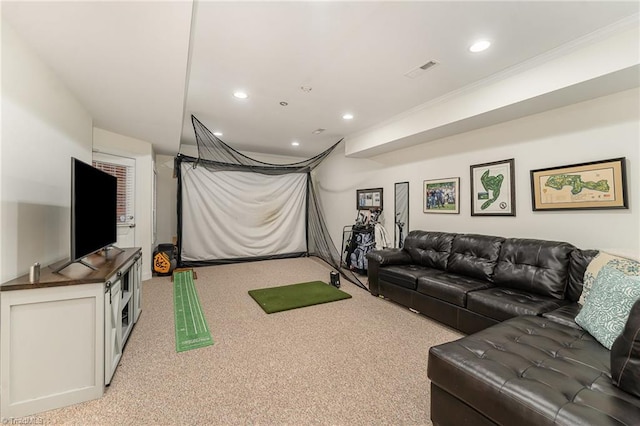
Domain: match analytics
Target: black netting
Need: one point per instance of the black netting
(220, 156)
(215, 155)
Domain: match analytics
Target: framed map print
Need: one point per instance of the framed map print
(493, 189)
(595, 185)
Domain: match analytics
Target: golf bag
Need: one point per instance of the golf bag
(362, 242)
(164, 259)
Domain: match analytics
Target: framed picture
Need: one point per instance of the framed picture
(595, 185)
(493, 189)
(369, 199)
(441, 196)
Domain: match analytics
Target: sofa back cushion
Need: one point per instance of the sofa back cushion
(429, 248)
(536, 266)
(578, 262)
(474, 255)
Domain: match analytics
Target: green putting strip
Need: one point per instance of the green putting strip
(283, 298)
(192, 331)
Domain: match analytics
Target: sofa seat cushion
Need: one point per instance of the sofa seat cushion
(503, 303)
(533, 371)
(449, 287)
(404, 276)
(565, 315)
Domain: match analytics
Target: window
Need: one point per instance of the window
(126, 180)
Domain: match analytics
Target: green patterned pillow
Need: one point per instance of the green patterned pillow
(608, 304)
(626, 266)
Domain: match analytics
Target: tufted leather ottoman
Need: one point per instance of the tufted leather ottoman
(527, 371)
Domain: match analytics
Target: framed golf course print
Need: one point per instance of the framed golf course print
(594, 185)
(493, 189)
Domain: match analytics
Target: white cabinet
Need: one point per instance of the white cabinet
(52, 348)
(112, 330)
(126, 305)
(61, 339)
(120, 299)
(137, 290)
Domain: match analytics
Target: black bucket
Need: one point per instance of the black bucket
(334, 279)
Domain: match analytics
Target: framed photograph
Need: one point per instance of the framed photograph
(369, 199)
(441, 196)
(595, 185)
(493, 190)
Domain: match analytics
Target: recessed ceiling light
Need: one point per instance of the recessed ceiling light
(479, 46)
(294, 143)
(283, 103)
(348, 116)
(240, 95)
(218, 134)
(318, 131)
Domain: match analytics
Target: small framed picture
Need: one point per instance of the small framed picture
(493, 189)
(594, 185)
(369, 199)
(441, 196)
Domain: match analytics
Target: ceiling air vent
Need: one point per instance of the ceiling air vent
(418, 71)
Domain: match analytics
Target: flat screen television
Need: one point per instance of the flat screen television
(93, 209)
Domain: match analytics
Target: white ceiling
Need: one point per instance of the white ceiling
(142, 68)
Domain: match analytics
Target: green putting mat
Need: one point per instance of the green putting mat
(276, 299)
(191, 327)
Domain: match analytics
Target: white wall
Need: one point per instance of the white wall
(43, 126)
(142, 152)
(599, 129)
(166, 200)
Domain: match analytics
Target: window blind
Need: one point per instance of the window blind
(126, 181)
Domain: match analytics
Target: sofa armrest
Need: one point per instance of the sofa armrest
(389, 256)
(565, 315)
(377, 258)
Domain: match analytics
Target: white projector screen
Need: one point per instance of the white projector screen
(238, 215)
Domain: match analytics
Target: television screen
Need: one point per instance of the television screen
(93, 209)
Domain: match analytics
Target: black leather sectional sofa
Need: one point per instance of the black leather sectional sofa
(470, 282)
(526, 361)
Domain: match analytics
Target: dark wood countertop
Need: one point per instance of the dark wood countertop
(76, 273)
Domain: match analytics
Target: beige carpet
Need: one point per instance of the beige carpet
(360, 361)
